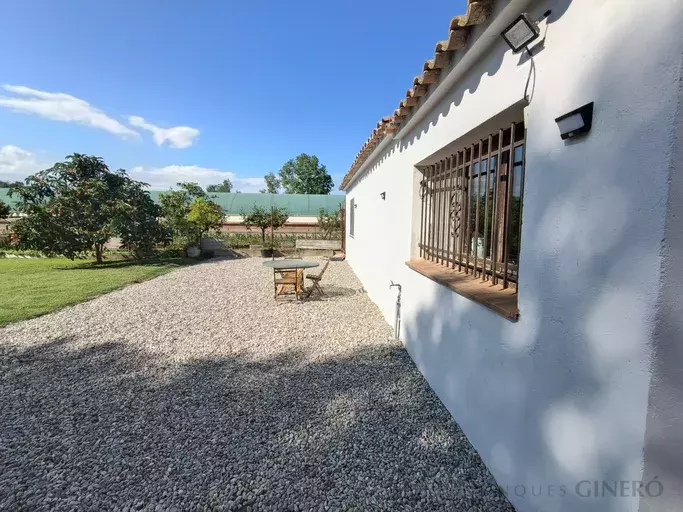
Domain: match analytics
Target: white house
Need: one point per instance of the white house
(557, 344)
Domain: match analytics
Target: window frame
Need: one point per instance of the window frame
(452, 198)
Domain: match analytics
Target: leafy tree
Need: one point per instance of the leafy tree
(226, 186)
(9, 184)
(193, 189)
(186, 223)
(264, 217)
(272, 184)
(175, 207)
(5, 210)
(205, 214)
(139, 228)
(75, 206)
(329, 223)
(305, 175)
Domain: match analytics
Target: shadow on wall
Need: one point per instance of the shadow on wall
(110, 426)
(561, 396)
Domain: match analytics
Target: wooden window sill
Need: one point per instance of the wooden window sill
(495, 297)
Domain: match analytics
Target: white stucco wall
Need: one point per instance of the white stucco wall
(664, 434)
(561, 396)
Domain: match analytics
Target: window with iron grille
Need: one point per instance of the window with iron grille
(352, 215)
(471, 208)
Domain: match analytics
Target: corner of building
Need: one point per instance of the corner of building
(663, 457)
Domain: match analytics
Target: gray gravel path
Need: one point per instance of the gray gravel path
(195, 391)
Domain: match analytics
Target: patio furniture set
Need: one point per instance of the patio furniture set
(289, 278)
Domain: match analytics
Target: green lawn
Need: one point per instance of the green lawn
(32, 287)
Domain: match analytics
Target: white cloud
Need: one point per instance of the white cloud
(62, 107)
(178, 137)
(167, 177)
(17, 163)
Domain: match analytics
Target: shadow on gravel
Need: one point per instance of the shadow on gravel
(133, 263)
(332, 291)
(106, 426)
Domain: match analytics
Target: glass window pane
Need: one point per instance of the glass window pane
(515, 218)
(517, 184)
(481, 200)
(516, 208)
(459, 209)
(519, 151)
(489, 212)
(472, 221)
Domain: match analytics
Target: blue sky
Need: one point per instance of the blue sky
(190, 90)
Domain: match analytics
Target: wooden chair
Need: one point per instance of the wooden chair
(288, 280)
(316, 278)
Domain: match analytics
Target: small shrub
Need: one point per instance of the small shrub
(169, 252)
(329, 224)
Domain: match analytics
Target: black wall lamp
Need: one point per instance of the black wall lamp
(576, 122)
(383, 195)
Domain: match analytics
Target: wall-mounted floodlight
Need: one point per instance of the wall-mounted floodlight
(520, 33)
(576, 122)
(383, 195)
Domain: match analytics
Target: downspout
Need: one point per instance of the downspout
(481, 46)
(397, 312)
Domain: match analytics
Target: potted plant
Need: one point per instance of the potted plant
(190, 213)
(193, 251)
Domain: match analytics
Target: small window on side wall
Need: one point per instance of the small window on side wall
(352, 216)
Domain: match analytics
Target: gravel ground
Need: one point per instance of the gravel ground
(195, 391)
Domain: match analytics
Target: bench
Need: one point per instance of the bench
(328, 245)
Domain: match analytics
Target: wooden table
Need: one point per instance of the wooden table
(291, 275)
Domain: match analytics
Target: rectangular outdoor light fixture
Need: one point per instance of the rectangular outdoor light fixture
(520, 33)
(576, 122)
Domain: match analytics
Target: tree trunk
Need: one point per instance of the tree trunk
(263, 235)
(98, 253)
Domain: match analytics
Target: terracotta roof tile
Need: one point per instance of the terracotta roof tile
(459, 29)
